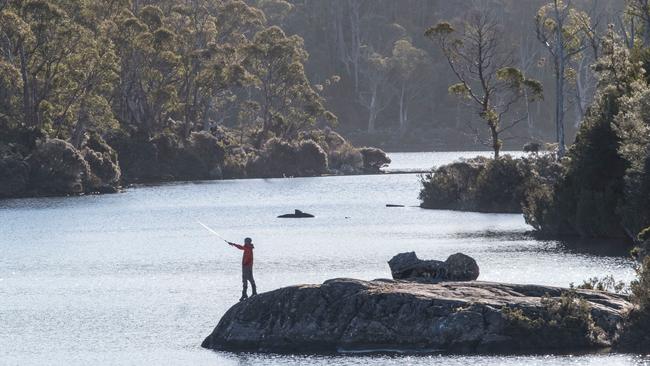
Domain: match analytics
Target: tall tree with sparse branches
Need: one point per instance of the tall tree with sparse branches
(560, 28)
(486, 77)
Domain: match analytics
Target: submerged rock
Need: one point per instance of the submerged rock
(296, 215)
(355, 315)
(458, 267)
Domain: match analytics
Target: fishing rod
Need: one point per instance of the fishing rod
(213, 232)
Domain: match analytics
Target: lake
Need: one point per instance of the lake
(132, 278)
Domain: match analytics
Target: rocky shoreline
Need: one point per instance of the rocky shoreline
(353, 315)
(428, 306)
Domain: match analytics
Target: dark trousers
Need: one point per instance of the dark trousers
(247, 276)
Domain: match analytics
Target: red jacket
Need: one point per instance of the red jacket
(247, 260)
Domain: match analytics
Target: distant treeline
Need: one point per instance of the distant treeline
(393, 87)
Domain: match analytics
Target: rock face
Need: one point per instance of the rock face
(296, 215)
(458, 267)
(349, 315)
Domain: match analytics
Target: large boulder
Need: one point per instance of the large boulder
(458, 267)
(355, 315)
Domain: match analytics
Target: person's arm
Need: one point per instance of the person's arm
(240, 247)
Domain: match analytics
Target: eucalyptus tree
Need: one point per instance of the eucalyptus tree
(287, 101)
(64, 67)
(210, 38)
(486, 77)
(560, 28)
(638, 12)
(147, 96)
(408, 64)
(375, 69)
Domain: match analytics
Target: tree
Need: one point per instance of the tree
(483, 68)
(560, 29)
(639, 13)
(590, 199)
(375, 69)
(288, 103)
(408, 63)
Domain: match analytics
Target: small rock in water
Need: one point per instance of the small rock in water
(296, 215)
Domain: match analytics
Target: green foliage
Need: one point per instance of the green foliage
(153, 79)
(607, 283)
(374, 159)
(590, 199)
(499, 187)
(451, 186)
(486, 77)
(280, 158)
(634, 335)
(485, 185)
(57, 168)
(567, 317)
(346, 159)
(14, 174)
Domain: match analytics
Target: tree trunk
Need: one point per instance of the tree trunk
(496, 144)
(80, 127)
(28, 109)
(355, 43)
(559, 83)
(402, 110)
(372, 115)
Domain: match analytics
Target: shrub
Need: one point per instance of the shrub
(14, 174)
(280, 158)
(236, 165)
(607, 283)
(532, 147)
(138, 156)
(500, 186)
(450, 186)
(374, 159)
(105, 171)
(207, 148)
(635, 335)
(311, 159)
(57, 168)
(200, 157)
(346, 159)
(560, 320)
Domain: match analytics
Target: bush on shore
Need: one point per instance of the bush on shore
(30, 164)
(486, 185)
(374, 159)
(567, 315)
(634, 335)
(279, 158)
(57, 168)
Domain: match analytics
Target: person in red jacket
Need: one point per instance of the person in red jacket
(247, 267)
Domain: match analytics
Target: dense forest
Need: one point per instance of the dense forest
(95, 93)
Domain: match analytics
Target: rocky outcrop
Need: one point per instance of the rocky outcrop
(355, 315)
(458, 267)
(297, 214)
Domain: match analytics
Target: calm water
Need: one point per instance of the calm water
(131, 278)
